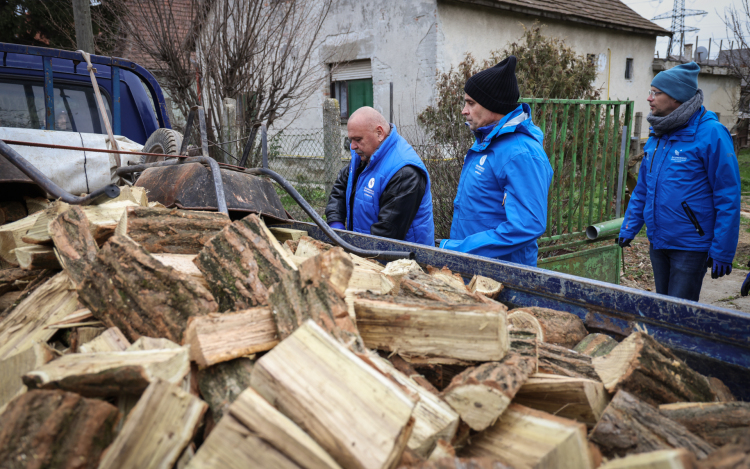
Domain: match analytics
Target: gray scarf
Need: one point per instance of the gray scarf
(676, 118)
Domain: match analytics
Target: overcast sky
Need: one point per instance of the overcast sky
(710, 26)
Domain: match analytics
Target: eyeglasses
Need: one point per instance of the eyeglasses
(653, 94)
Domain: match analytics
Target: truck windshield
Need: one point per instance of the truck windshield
(22, 105)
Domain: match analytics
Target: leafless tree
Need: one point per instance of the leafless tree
(737, 58)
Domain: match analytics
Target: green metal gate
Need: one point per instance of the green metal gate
(584, 142)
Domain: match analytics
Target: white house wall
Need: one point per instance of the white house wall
(720, 94)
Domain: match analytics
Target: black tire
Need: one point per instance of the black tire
(164, 141)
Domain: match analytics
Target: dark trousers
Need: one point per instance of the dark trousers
(678, 273)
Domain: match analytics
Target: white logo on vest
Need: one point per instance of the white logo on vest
(371, 184)
(482, 160)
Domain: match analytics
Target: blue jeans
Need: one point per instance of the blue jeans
(678, 273)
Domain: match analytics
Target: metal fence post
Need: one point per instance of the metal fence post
(331, 142)
(229, 116)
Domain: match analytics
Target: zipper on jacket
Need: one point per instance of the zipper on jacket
(693, 220)
(653, 156)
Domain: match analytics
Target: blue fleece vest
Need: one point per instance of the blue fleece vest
(394, 153)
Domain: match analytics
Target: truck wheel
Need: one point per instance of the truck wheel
(164, 141)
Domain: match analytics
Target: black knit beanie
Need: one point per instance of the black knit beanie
(496, 88)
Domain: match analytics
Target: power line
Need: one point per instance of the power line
(678, 22)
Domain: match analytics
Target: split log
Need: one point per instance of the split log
(309, 247)
(422, 286)
(732, 456)
(481, 394)
(441, 332)
(110, 373)
(183, 263)
(316, 291)
(356, 414)
(524, 343)
(220, 384)
(133, 194)
(55, 429)
(401, 267)
(75, 245)
(442, 450)
(11, 211)
(284, 234)
(173, 231)
(84, 334)
(410, 372)
(596, 345)
(111, 340)
(242, 262)
(157, 430)
(150, 343)
(10, 237)
(630, 426)
(578, 399)
(558, 327)
(8, 299)
(664, 459)
(36, 204)
(447, 276)
(37, 233)
(220, 337)
(486, 286)
(719, 423)
(37, 257)
(722, 392)
(366, 263)
(528, 438)
(16, 279)
(27, 323)
(562, 361)
(651, 372)
(13, 368)
(129, 289)
(433, 419)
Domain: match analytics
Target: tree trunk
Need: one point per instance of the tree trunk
(75, 245)
(129, 289)
(631, 426)
(648, 370)
(220, 384)
(719, 423)
(565, 362)
(56, 429)
(596, 345)
(558, 327)
(242, 262)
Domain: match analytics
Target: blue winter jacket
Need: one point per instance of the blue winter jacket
(501, 206)
(393, 154)
(690, 170)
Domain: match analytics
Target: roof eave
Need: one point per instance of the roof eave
(564, 17)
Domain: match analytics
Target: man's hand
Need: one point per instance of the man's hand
(745, 286)
(624, 242)
(336, 225)
(719, 269)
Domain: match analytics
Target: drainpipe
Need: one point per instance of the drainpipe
(609, 69)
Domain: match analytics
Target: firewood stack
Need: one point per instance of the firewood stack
(148, 337)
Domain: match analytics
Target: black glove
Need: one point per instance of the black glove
(718, 268)
(745, 286)
(624, 242)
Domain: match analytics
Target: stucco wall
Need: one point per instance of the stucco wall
(479, 30)
(720, 94)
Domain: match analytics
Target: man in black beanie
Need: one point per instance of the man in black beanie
(501, 206)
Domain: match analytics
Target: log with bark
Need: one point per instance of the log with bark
(183, 263)
(15, 279)
(439, 287)
(37, 257)
(565, 362)
(557, 327)
(30, 288)
(485, 286)
(157, 430)
(55, 429)
(75, 245)
(719, 423)
(440, 332)
(127, 288)
(629, 426)
(356, 414)
(173, 231)
(528, 438)
(596, 345)
(662, 459)
(220, 384)
(397, 269)
(645, 368)
(481, 394)
(242, 262)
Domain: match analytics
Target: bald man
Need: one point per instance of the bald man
(385, 190)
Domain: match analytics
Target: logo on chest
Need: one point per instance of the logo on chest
(677, 158)
(368, 190)
(479, 168)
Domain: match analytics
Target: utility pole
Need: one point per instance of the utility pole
(84, 33)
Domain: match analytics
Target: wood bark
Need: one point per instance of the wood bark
(481, 394)
(524, 343)
(11, 211)
(735, 455)
(110, 373)
(719, 423)
(242, 262)
(565, 362)
(316, 291)
(173, 231)
(129, 289)
(111, 340)
(486, 286)
(663, 459)
(651, 372)
(74, 243)
(631, 426)
(30, 287)
(220, 384)
(578, 399)
(339, 400)
(55, 429)
(558, 327)
(157, 430)
(596, 345)
(37, 257)
(528, 438)
(440, 332)
(13, 368)
(217, 337)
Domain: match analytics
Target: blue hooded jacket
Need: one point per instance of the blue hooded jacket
(501, 206)
(393, 154)
(691, 169)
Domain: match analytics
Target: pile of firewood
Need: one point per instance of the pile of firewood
(137, 336)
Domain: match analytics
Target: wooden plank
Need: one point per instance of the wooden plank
(157, 430)
(216, 338)
(663, 459)
(356, 414)
(13, 368)
(432, 329)
(719, 423)
(111, 340)
(578, 399)
(110, 373)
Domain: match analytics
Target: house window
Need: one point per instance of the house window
(628, 69)
(351, 84)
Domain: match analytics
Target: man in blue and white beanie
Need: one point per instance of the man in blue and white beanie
(688, 191)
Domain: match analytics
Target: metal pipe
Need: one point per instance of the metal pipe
(188, 130)
(249, 145)
(111, 191)
(264, 144)
(385, 255)
(621, 171)
(605, 228)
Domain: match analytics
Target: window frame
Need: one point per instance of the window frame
(629, 69)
